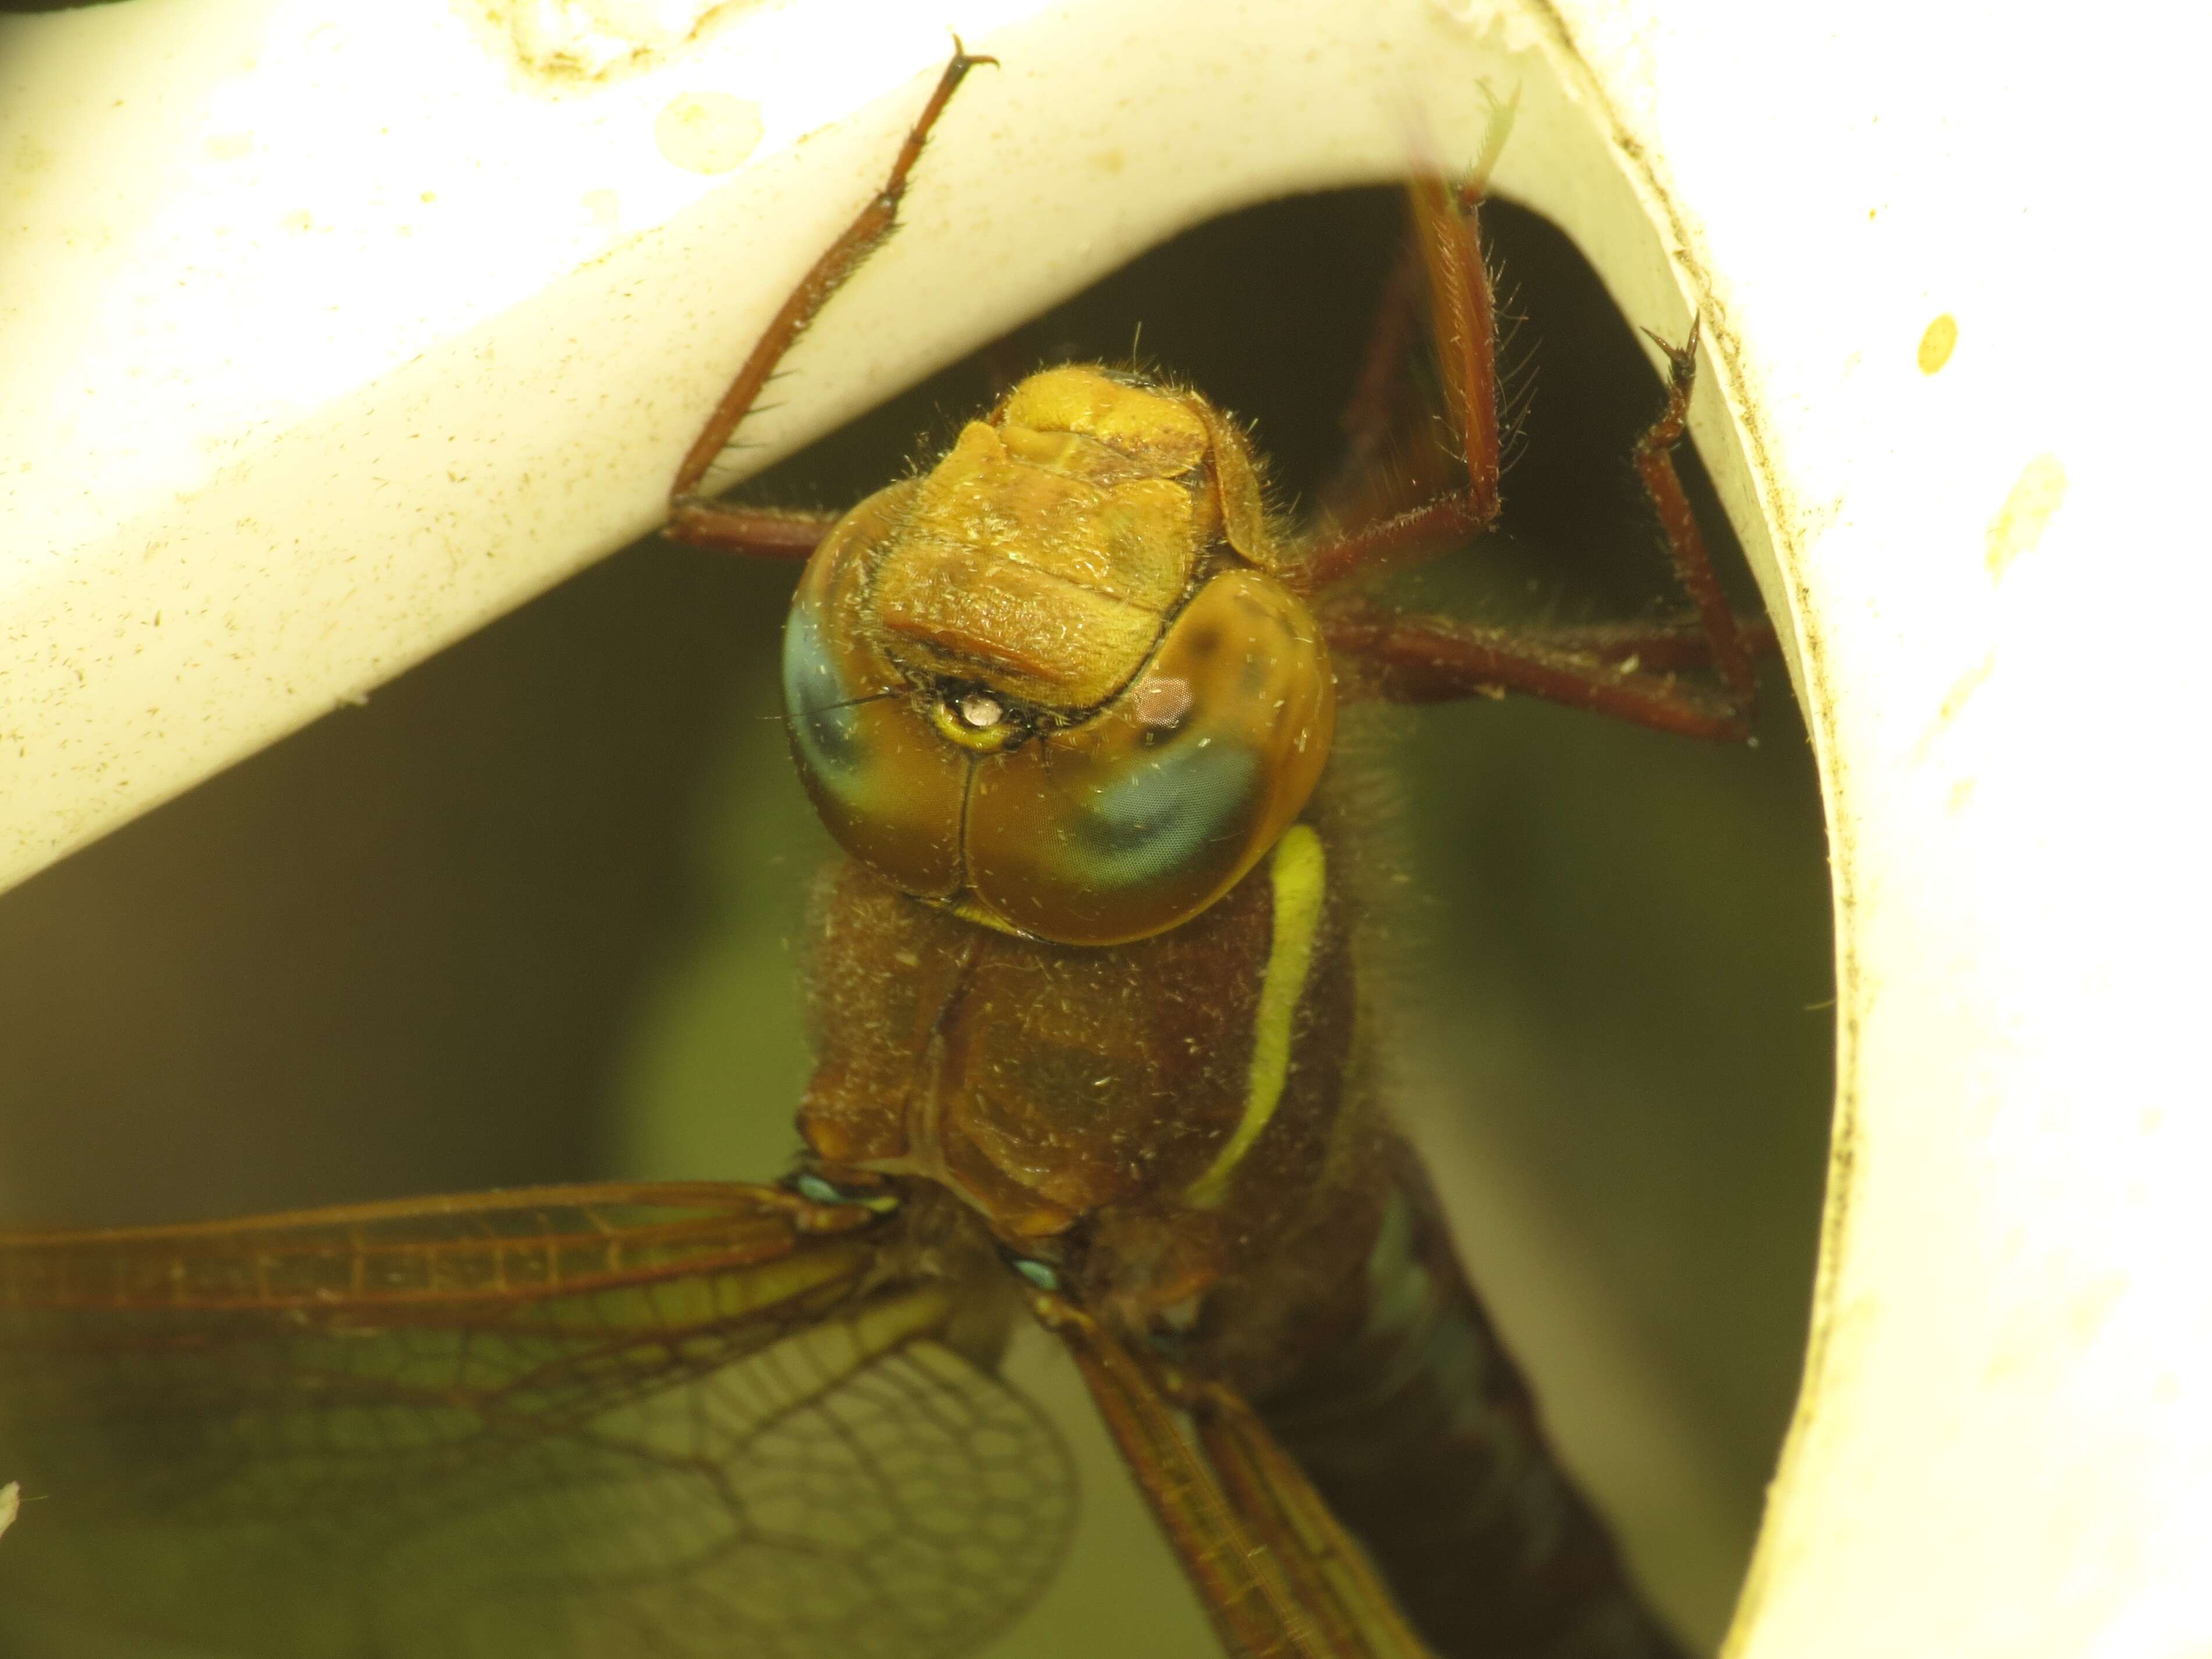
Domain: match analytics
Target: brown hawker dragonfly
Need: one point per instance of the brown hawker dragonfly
(1090, 1045)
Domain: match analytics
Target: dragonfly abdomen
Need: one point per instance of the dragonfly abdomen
(1424, 1438)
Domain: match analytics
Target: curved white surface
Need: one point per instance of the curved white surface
(328, 333)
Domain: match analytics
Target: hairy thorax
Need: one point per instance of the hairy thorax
(1175, 1123)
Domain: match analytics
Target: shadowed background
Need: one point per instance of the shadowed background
(526, 915)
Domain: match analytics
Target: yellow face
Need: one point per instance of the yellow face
(1055, 684)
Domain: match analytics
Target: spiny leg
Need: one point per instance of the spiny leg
(1655, 647)
(1462, 323)
(1375, 413)
(1406, 657)
(1371, 413)
(764, 532)
(1627, 673)
(768, 531)
(1394, 457)
(1685, 543)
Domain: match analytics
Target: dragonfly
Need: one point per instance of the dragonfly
(1092, 1057)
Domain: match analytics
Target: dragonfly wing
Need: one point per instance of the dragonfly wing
(1270, 1492)
(668, 1421)
(1280, 1578)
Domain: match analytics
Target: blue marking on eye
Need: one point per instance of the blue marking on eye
(1171, 814)
(825, 725)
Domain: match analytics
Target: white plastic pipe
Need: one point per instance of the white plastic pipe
(328, 333)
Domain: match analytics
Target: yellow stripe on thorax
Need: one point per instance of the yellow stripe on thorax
(1298, 872)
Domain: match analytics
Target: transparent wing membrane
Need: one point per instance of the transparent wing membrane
(634, 1421)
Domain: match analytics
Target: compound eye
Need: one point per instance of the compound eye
(1122, 826)
(887, 785)
(1142, 816)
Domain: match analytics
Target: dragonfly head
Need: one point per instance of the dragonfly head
(1054, 683)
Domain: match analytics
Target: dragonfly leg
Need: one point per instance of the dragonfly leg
(1462, 323)
(696, 518)
(764, 533)
(1625, 671)
(1685, 543)
(1375, 415)
(1629, 673)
